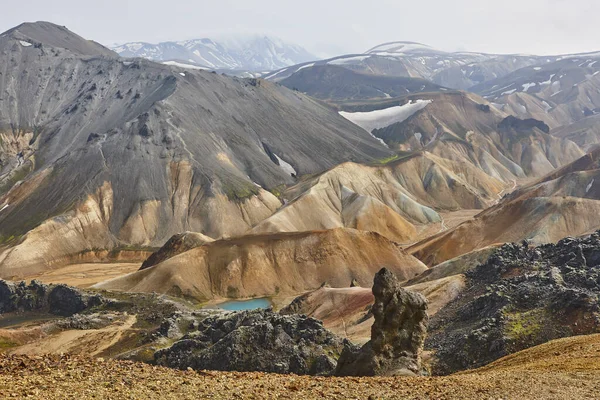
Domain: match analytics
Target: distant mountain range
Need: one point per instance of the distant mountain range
(250, 53)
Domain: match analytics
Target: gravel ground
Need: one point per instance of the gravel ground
(564, 369)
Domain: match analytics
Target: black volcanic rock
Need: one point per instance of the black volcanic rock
(520, 297)
(56, 299)
(397, 335)
(517, 124)
(258, 340)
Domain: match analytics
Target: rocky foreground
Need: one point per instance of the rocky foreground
(567, 368)
(520, 297)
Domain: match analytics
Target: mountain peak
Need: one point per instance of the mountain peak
(233, 52)
(50, 34)
(402, 47)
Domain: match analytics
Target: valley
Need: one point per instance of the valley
(238, 217)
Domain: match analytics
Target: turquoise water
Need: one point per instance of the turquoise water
(245, 304)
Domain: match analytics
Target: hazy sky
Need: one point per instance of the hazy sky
(329, 27)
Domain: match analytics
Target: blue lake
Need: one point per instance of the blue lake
(241, 305)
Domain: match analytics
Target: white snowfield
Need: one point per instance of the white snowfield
(4, 208)
(400, 47)
(306, 66)
(388, 116)
(24, 43)
(182, 65)
(339, 61)
(285, 166)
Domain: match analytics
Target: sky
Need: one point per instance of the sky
(333, 27)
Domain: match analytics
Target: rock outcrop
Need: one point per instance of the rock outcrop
(522, 296)
(258, 340)
(397, 334)
(178, 244)
(56, 299)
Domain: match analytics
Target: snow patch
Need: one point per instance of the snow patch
(527, 86)
(24, 43)
(508, 92)
(182, 65)
(521, 108)
(285, 166)
(587, 189)
(549, 81)
(305, 66)
(347, 60)
(378, 119)
(182, 74)
(275, 74)
(547, 106)
(537, 68)
(4, 208)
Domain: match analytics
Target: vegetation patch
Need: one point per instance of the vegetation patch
(239, 192)
(524, 325)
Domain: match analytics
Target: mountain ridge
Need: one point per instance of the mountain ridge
(252, 53)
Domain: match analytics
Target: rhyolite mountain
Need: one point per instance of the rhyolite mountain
(563, 203)
(250, 53)
(100, 152)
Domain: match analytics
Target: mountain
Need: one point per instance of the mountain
(268, 265)
(251, 53)
(396, 199)
(336, 84)
(563, 203)
(585, 132)
(559, 92)
(457, 70)
(464, 127)
(43, 33)
(100, 152)
(455, 152)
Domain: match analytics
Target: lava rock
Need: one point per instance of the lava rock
(522, 296)
(56, 299)
(258, 340)
(397, 335)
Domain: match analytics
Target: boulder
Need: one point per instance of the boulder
(397, 335)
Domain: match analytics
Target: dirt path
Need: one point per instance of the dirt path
(89, 342)
(85, 275)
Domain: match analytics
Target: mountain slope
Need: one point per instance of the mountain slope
(563, 203)
(463, 127)
(253, 53)
(265, 265)
(337, 84)
(391, 200)
(46, 33)
(558, 93)
(458, 70)
(585, 132)
(114, 153)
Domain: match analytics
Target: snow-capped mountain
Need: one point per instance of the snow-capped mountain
(253, 53)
